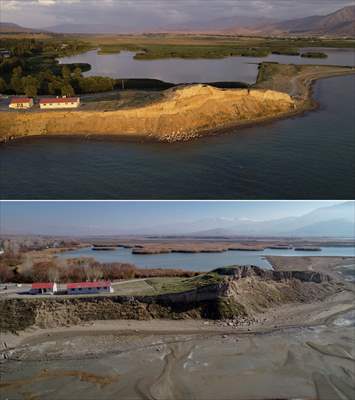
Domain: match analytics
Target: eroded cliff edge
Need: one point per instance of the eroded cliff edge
(183, 113)
(238, 292)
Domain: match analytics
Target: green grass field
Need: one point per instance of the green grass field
(155, 286)
(207, 46)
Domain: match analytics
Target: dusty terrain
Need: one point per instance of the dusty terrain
(189, 359)
(231, 292)
(295, 341)
(183, 113)
(333, 266)
(292, 338)
(296, 80)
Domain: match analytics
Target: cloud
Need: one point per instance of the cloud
(147, 14)
(46, 2)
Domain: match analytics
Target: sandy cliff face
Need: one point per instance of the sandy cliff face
(184, 112)
(243, 292)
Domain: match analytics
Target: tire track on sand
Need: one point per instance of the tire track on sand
(168, 385)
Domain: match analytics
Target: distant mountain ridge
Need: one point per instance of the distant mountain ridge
(9, 27)
(340, 22)
(337, 23)
(89, 28)
(333, 221)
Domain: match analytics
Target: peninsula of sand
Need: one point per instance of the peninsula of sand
(183, 112)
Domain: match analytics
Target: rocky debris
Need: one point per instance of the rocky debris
(240, 272)
(237, 322)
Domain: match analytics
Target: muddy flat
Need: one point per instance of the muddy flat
(308, 363)
(291, 352)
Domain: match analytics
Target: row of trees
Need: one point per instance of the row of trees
(80, 270)
(67, 83)
(33, 69)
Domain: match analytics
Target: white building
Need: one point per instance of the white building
(59, 102)
(21, 103)
(5, 53)
(44, 288)
(89, 287)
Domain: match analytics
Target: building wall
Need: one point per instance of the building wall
(45, 291)
(53, 106)
(89, 290)
(21, 105)
(41, 291)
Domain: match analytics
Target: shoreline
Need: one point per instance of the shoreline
(276, 319)
(293, 362)
(300, 106)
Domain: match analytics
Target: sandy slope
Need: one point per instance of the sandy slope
(183, 113)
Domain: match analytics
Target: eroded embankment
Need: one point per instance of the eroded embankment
(184, 112)
(242, 292)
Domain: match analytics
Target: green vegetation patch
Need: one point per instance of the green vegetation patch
(285, 51)
(33, 67)
(226, 308)
(314, 54)
(160, 51)
(176, 285)
(157, 46)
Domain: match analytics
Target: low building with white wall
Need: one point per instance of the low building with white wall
(21, 103)
(89, 287)
(43, 288)
(59, 102)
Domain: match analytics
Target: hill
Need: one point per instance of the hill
(8, 27)
(333, 221)
(338, 23)
(88, 29)
(341, 22)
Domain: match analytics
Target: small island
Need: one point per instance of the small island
(314, 54)
(307, 248)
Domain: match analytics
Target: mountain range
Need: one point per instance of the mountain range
(9, 27)
(338, 23)
(333, 221)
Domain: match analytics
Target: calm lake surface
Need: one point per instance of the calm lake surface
(201, 261)
(309, 156)
(177, 70)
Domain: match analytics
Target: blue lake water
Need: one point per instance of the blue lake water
(177, 70)
(200, 261)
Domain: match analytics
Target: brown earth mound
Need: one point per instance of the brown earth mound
(239, 292)
(183, 113)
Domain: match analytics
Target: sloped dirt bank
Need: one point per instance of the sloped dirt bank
(183, 113)
(242, 292)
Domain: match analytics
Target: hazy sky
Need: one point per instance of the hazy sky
(147, 14)
(90, 218)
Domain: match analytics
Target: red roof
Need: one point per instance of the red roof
(42, 285)
(59, 100)
(88, 284)
(20, 100)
